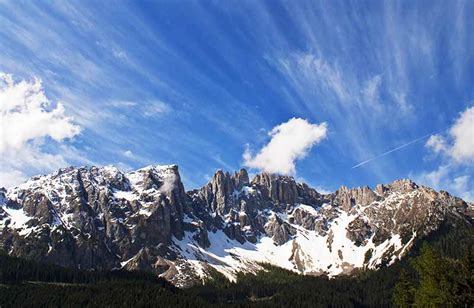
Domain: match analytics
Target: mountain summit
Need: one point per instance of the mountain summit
(102, 218)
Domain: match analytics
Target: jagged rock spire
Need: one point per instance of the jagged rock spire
(102, 218)
(241, 179)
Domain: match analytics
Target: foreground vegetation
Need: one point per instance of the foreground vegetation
(436, 274)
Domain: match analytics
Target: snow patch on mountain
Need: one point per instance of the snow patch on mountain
(307, 252)
(92, 217)
(17, 217)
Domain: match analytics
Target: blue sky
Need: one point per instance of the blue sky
(197, 82)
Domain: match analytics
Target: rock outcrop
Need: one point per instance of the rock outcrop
(102, 218)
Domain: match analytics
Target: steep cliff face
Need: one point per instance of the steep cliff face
(93, 217)
(283, 191)
(101, 218)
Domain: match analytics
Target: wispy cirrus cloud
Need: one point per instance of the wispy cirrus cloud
(145, 108)
(354, 105)
(371, 91)
(379, 75)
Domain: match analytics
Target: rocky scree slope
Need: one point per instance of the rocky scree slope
(102, 218)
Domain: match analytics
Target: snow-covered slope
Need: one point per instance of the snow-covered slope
(103, 218)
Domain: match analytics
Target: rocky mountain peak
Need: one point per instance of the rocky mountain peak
(241, 179)
(279, 188)
(347, 198)
(403, 185)
(100, 217)
(220, 189)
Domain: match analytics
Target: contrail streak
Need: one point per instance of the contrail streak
(388, 152)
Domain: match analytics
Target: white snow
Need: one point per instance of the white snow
(229, 256)
(165, 173)
(145, 211)
(110, 169)
(18, 217)
(226, 255)
(248, 190)
(127, 195)
(123, 263)
(308, 209)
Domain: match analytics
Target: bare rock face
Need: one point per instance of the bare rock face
(241, 179)
(283, 191)
(279, 230)
(403, 185)
(308, 195)
(143, 260)
(38, 205)
(238, 206)
(359, 231)
(381, 190)
(363, 195)
(201, 236)
(348, 198)
(305, 219)
(163, 187)
(217, 194)
(94, 217)
(280, 189)
(344, 198)
(102, 218)
(222, 187)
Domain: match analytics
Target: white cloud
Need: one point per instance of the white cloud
(434, 178)
(437, 144)
(449, 178)
(461, 183)
(27, 114)
(10, 178)
(146, 108)
(128, 154)
(119, 54)
(323, 191)
(27, 119)
(457, 150)
(460, 149)
(289, 142)
(320, 71)
(401, 100)
(122, 104)
(371, 91)
(153, 108)
(124, 167)
(357, 103)
(463, 134)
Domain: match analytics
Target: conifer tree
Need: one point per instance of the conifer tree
(436, 286)
(403, 292)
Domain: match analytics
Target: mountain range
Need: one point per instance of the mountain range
(102, 218)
